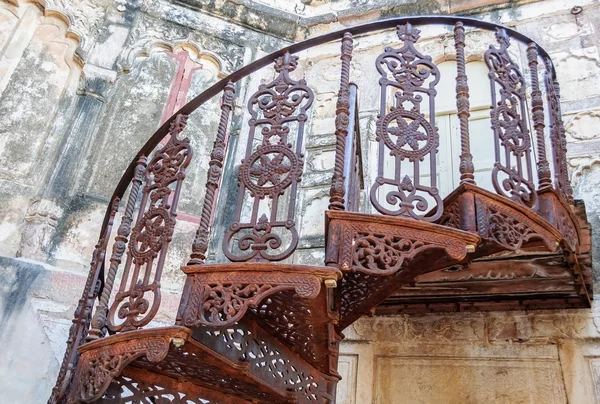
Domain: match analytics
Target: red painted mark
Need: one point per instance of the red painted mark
(181, 58)
(180, 88)
(186, 217)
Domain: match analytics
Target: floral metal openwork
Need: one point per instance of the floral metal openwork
(152, 234)
(261, 328)
(405, 133)
(512, 175)
(272, 170)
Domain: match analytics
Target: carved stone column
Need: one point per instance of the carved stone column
(46, 211)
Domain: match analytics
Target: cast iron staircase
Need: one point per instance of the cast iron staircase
(259, 328)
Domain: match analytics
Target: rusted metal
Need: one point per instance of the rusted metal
(462, 106)
(342, 118)
(245, 71)
(256, 339)
(558, 139)
(200, 245)
(378, 255)
(83, 313)
(217, 358)
(136, 385)
(511, 136)
(259, 330)
(98, 329)
(537, 113)
(222, 295)
(102, 362)
(405, 133)
(271, 170)
(150, 238)
(138, 298)
(353, 170)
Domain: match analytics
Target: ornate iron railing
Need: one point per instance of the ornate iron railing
(407, 142)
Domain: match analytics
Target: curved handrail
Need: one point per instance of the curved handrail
(98, 262)
(239, 74)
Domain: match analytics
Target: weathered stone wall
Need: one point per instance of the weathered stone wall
(83, 84)
(512, 357)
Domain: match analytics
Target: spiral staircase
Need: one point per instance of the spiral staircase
(257, 328)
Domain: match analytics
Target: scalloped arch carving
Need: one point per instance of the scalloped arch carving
(146, 46)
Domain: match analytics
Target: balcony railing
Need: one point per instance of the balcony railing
(254, 324)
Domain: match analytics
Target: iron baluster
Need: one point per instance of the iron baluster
(462, 106)
(83, 312)
(99, 319)
(200, 245)
(537, 112)
(557, 135)
(337, 192)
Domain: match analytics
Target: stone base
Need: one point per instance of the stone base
(496, 357)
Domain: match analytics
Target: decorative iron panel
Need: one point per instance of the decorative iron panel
(133, 307)
(270, 172)
(405, 133)
(512, 175)
(557, 135)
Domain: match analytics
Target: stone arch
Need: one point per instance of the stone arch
(81, 18)
(152, 84)
(145, 47)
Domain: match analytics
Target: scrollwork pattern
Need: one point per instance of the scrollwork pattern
(381, 253)
(451, 216)
(568, 229)
(507, 231)
(557, 136)
(125, 390)
(83, 313)
(383, 250)
(513, 176)
(99, 367)
(359, 288)
(404, 133)
(138, 298)
(271, 169)
(302, 325)
(268, 359)
(192, 365)
(507, 228)
(220, 301)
